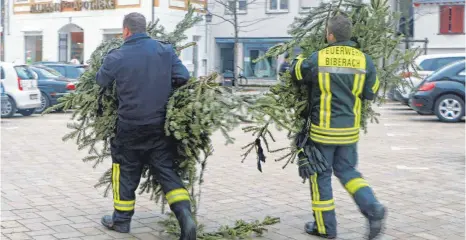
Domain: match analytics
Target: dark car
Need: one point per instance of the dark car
(442, 93)
(52, 86)
(70, 71)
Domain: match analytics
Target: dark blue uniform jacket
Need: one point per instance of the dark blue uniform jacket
(145, 71)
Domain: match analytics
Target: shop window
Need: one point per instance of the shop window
(452, 19)
(77, 46)
(33, 49)
(264, 69)
(277, 5)
(240, 5)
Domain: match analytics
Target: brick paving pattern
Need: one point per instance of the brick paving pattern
(414, 163)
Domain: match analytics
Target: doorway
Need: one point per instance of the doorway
(71, 44)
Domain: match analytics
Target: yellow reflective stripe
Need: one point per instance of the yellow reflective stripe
(356, 98)
(323, 209)
(177, 195)
(355, 184)
(323, 206)
(328, 111)
(358, 86)
(125, 202)
(124, 205)
(297, 69)
(334, 131)
(325, 100)
(340, 131)
(113, 181)
(316, 197)
(376, 85)
(334, 139)
(116, 181)
(322, 99)
(124, 208)
(331, 201)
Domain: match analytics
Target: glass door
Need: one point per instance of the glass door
(63, 47)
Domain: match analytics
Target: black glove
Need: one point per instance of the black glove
(304, 166)
(317, 161)
(260, 154)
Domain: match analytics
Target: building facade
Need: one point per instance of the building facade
(262, 24)
(442, 23)
(57, 30)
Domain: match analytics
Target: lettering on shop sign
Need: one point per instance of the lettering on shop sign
(75, 6)
(342, 56)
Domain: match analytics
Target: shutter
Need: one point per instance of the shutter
(457, 19)
(444, 19)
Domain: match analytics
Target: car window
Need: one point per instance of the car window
(24, 73)
(59, 69)
(44, 73)
(2, 73)
(74, 72)
(52, 71)
(446, 71)
(434, 64)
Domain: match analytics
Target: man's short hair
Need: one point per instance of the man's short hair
(135, 22)
(340, 26)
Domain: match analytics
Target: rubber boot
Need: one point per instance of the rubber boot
(187, 224)
(376, 219)
(311, 230)
(108, 222)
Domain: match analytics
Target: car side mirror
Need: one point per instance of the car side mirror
(34, 74)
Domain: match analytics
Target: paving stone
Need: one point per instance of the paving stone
(47, 191)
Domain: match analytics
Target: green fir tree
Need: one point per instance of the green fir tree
(194, 112)
(201, 107)
(285, 106)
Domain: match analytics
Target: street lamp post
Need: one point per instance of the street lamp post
(208, 20)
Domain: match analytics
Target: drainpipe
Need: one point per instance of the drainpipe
(1, 30)
(153, 10)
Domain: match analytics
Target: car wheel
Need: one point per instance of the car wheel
(449, 108)
(10, 108)
(26, 112)
(44, 103)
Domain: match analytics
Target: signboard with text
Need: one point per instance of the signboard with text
(461, 2)
(73, 6)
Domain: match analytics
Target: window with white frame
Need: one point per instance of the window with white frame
(306, 5)
(240, 5)
(277, 5)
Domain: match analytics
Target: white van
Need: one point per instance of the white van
(20, 85)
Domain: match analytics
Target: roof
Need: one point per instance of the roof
(446, 55)
(58, 64)
(9, 64)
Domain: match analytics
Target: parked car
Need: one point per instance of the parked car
(20, 84)
(52, 86)
(4, 97)
(425, 65)
(442, 93)
(70, 71)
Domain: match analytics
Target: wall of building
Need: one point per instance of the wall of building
(269, 28)
(94, 24)
(427, 25)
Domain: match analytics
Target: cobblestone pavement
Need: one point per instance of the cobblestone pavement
(414, 163)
